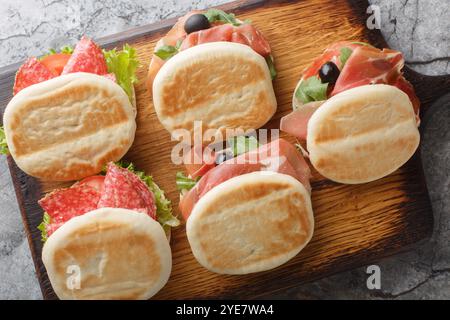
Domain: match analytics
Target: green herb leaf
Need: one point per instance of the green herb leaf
(312, 89)
(124, 65)
(3, 145)
(185, 183)
(46, 220)
(243, 144)
(270, 64)
(167, 52)
(345, 54)
(65, 50)
(215, 15)
(163, 205)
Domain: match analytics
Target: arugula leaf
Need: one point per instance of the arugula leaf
(345, 54)
(124, 65)
(3, 145)
(46, 220)
(185, 183)
(166, 52)
(312, 89)
(215, 15)
(243, 144)
(270, 64)
(163, 205)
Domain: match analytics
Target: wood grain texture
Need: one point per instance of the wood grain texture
(355, 225)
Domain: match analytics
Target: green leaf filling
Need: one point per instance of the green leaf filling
(123, 64)
(345, 54)
(271, 65)
(185, 183)
(3, 145)
(216, 15)
(242, 144)
(46, 220)
(312, 89)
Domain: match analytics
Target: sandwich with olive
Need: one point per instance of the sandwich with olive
(212, 67)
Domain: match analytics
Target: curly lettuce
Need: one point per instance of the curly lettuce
(3, 145)
(46, 220)
(185, 183)
(124, 65)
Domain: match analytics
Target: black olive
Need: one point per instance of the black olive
(224, 155)
(196, 22)
(329, 73)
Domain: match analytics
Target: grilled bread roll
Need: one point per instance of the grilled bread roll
(362, 134)
(115, 253)
(69, 127)
(250, 223)
(223, 84)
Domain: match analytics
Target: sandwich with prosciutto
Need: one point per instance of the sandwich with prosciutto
(357, 113)
(112, 231)
(214, 68)
(72, 111)
(246, 212)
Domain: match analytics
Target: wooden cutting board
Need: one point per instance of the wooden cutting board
(355, 224)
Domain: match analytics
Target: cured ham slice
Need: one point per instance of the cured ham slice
(296, 123)
(278, 156)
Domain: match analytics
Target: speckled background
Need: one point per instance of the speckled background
(420, 29)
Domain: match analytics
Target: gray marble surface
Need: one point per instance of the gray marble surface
(417, 28)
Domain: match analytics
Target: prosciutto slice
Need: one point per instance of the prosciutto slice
(366, 65)
(278, 156)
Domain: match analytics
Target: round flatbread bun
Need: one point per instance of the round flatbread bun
(108, 254)
(251, 223)
(223, 84)
(69, 127)
(362, 134)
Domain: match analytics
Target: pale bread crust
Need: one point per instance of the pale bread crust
(68, 127)
(225, 85)
(122, 254)
(251, 223)
(362, 134)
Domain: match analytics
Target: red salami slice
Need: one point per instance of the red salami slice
(64, 204)
(123, 189)
(31, 72)
(87, 57)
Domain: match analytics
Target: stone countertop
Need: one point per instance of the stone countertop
(417, 28)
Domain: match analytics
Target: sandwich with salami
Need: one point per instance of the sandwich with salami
(72, 111)
(248, 207)
(212, 67)
(112, 232)
(357, 113)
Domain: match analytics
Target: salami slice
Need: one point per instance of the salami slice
(86, 57)
(123, 189)
(31, 72)
(64, 204)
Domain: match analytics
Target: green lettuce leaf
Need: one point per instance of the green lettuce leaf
(312, 89)
(243, 144)
(345, 54)
(216, 15)
(3, 145)
(163, 205)
(166, 52)
(46, 220)
(270, 64)
(123, 64)
(65, 49)
(185, 183)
